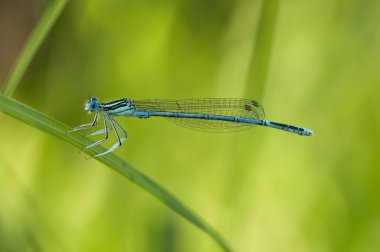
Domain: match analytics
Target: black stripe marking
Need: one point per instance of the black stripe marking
(115, 104)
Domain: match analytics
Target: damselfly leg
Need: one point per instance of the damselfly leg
(121, 128)
(87, 125)
(119, 140)
(105, 130)
(113, 125)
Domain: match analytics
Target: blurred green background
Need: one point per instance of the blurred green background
(263, 189)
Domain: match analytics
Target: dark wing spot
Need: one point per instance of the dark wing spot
(247, 107)
(255, 103)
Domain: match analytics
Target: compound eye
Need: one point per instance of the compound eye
(93, 105)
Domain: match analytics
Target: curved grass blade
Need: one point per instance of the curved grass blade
(39, 33)
(47, 124)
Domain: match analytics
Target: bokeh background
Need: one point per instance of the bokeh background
(263, 189)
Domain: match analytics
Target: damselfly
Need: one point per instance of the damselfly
(213, 115)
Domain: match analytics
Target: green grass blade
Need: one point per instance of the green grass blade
(41, 121)
(262, 48)
(39, 33)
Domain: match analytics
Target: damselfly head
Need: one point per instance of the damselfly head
(92, 105)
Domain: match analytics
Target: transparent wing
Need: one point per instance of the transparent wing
(244, 108)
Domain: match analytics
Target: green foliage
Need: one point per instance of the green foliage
(46, 124)
(40, 121)
(309, 63)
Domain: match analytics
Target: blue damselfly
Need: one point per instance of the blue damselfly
(212, 114)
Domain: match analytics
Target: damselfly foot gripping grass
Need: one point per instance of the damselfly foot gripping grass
(213, 115)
